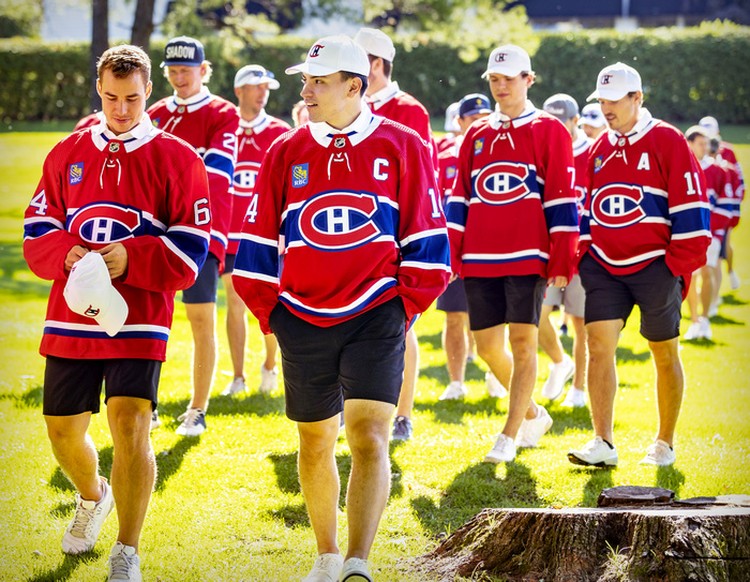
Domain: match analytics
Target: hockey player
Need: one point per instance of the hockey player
(645, 229)
(120, 221)
(256, 132)
(347, 199)
(209, 124)
(513, 228)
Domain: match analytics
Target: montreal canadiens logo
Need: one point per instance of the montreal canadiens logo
(245, 175)
(502, 183)
(102, 224)
(617, 205)
(338, 221)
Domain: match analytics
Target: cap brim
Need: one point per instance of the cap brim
(272, 83)
(508, 72)
(310, 69)
(608, 94)
(171, 63)
(113, 317)
(476, 111)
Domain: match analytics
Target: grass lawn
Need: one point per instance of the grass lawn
(227, 505)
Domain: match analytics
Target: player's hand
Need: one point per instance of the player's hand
(74, 255)
(558, 281)
(116, 258)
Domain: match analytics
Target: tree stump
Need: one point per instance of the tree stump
(700, 539)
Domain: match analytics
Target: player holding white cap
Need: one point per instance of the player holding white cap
(345, 199)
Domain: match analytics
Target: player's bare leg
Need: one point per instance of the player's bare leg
(580, 354)
(548, 339)
(411, 373)
(692, 299)
(602, 374)
(456, 344)
(319, 479)
(271, 346)
(490, 344)
(523, 345)
(707, 290)
(202, 317)
(75, 452)
(133, 464)
(367, 424)
(236, 327)
(670, 384)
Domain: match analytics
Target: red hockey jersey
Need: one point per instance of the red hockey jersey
(648, 199)
(513, 207)
(209, 124)
(353, 214)
(720, 196)
(144, 189)
(581, 147)
(253, 140)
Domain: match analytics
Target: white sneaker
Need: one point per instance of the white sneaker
(532, 430)
(734, 280)
(660, 454)
(704, 328)
(124, 564)
(236, 386)
(596, 452)
(693, 332)
(80, 536)
(326, 568)
(559, 374)
(355, 570)
(504, 450)
(576, 398)
(193, 422)
(494, 387)
(455, 391)
(713, 309)
(155, 420)
(268, 379)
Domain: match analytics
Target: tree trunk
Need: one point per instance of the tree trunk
(99, 44)
(143, 24)
(659, 544)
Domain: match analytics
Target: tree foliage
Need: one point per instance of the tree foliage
(20, 18)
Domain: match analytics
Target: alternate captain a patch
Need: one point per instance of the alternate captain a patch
(300, 175)
(75, 173)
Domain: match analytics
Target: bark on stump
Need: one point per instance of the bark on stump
(701, 539)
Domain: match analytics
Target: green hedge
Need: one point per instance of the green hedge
(687, 73)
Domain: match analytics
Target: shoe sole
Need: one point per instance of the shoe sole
(354, 577)
(577, 461)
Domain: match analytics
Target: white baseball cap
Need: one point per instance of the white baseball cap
(89, 292)
(710, 125)
(376, 43)
(616, 81)
(332, 54)
(451, 113)
(592, 115)
(509, 60)
(255, 75)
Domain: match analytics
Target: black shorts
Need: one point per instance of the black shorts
(654, 289)
(75, 386)
(497, 300)
(453, 298)
(229, 264)
(362, 358)
(206, 286)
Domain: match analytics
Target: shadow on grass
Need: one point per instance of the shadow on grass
(724, 320)
(479, 486)
(32, 398)
(599, 478)
(66, 569)
(435, 340)
(453, 411)
(169, 461)
(670, 478)
(625, 354)
(568, 418)
(254, 404)
(732, 300)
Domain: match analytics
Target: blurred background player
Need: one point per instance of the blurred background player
(256, 133)
(451, 127)
(457, 336)
(209, 124)
(592, 121)
(572, 297)
(513, 226)
(386, 98)
(300, 115)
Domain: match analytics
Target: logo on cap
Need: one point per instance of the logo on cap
(500, 57)
(315, 50)
(92, 311)
(605, 79)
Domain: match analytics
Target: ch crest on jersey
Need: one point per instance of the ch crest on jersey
(502, 183)
(245, 175)
(617, 205)
(336, 221)
(75, 173)
(103, 223)
(300, 175)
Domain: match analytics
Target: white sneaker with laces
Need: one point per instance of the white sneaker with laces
(576, 398)
(193, 422)
(704, 328)
(80, 536)
(504, 450)
(660, 454)
(495, 388)
(531, 430)
(559, 374)
(124, 564)
(355, 570)
(693, 332)
(734, 280)
(236, 386)
(326, 568)
(595, 453)
(268, 379)
(455, 391)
